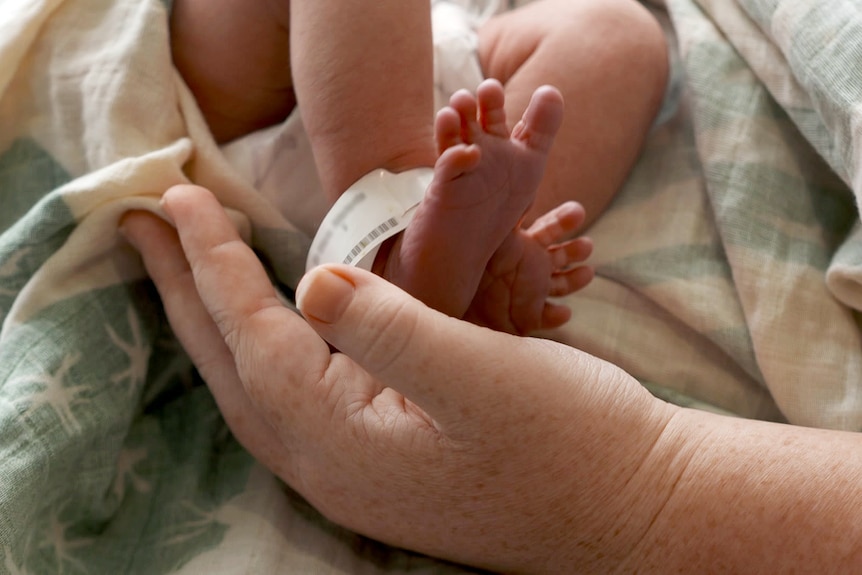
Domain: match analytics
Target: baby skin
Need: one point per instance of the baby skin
(465, 253)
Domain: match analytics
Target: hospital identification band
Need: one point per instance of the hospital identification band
(375, 208)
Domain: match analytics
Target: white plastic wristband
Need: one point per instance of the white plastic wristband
(375, 208)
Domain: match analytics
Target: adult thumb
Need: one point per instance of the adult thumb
(438, 362)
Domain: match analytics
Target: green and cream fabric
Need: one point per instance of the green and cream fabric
(728, 279)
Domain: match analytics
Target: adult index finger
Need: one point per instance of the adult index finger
(166, 264)
(275, 351)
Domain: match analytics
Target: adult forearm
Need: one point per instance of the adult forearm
(756, 497)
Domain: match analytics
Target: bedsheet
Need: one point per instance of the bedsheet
(728, 278)
(742, 250)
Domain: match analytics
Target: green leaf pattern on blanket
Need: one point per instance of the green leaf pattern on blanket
(94, 462)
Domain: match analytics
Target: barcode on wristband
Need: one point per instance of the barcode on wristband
(372, 235)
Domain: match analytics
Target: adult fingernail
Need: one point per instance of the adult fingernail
(323, 295)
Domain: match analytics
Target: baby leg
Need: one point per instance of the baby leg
(363, 76)
(361, 73)
(235, 57)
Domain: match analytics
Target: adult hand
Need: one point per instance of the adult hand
(423, 431)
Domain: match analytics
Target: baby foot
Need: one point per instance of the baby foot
(484, 180)
(529, 267)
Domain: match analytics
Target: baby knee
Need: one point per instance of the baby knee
(617, 37)
(627, 38)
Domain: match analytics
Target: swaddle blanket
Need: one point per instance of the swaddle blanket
(734, 283)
